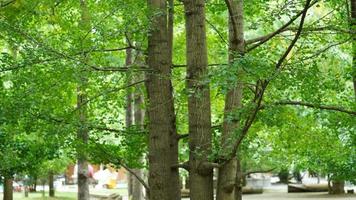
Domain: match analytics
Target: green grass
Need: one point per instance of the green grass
(38, 196)
(63, 195)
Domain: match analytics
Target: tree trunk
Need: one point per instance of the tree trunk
(199, 113)
(82, 132)
(229, 177)
(8, 190)
(163, 178)
(239, 180)
(139, 115)
(338, 187)
(51, 184)
(129, 115)
(353, 29)
(176, 189)
(43, 187)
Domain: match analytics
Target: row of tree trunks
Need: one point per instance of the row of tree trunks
(163, 178)
(229, 178)
(82, 132)
(199, 113)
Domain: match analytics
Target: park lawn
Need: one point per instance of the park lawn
(62, 195)
(38, 196)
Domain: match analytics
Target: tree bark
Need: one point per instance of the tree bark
(239, 180)
(176, 189)
(8, 190)
(229, 177)
(338, 187)
(82, 132)
(129, 114)
(199, 113)
(139, 114)
(353, 29)
(163, 179)
(51, 184)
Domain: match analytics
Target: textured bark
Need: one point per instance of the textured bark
(51, 184)
(337, 187)
(239, 180)
(163, 179)
(82, 132)
(176, 189)
(8, 192)
(229, 177)
(199, 113)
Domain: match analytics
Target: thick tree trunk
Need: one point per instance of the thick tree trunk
(199, 113)
(82, 132)
(229, 177)
(337, 187)
(163, 178)
(51, 184)
(8, 190)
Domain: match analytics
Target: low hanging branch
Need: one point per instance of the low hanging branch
(217, 31)
(322, 107)
(118, 161)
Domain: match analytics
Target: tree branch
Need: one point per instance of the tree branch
(294, 41)
(184, 165)
(4, 4)
(266, 38)
(316, 29)
(144, 184)
(118, 69)
(310, 105)
(217, 31)
(182, 136)
(230, 8)
(118, 161)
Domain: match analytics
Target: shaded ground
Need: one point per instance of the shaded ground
(297, 196)
(275, 193)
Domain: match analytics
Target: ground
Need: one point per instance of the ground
(274, 194)
(297, 196)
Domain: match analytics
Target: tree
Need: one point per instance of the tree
(229, 178)
(163, 178)
(200, 138)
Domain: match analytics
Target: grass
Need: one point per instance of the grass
(62, 195)
(38, 196)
